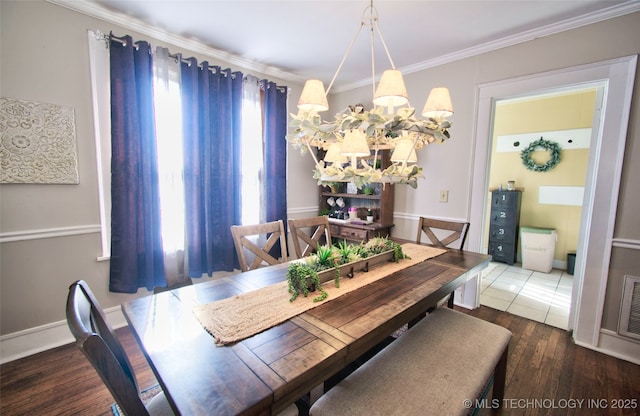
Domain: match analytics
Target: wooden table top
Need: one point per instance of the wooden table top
(265, 373)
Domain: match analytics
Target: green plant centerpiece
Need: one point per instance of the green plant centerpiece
(303, 278)
(302, 275)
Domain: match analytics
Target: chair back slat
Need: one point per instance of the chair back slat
(308, 233)
(102, 348)
(273, 232)
(458, 230)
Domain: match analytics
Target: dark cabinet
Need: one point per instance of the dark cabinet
(504, 225)
(379, 204)
(376, 199)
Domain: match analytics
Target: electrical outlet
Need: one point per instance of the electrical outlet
(444, 196)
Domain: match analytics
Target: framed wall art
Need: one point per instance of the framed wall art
(37, 143)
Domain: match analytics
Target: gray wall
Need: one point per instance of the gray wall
(449, 166)
(44, 58)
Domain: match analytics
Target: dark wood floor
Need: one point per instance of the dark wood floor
(546, 373)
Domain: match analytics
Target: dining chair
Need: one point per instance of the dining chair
(104, 351)
(428, 225)
(458, 230)
(269, 232)
(308, 232)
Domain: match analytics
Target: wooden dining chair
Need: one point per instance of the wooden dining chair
(272, 232)
(104, 351)
(307, 234)
(428, 225)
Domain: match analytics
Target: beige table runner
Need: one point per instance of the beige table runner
(238, 317)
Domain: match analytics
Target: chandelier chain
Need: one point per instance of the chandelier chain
(353, 141)
(344, 58)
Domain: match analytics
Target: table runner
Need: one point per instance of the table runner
(239, 317)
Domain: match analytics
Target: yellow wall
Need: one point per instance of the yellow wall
(568, 111)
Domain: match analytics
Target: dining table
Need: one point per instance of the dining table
(265, 373)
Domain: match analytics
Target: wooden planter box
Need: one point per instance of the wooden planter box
(349, 269)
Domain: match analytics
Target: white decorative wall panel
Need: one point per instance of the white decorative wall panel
(561, 195)
(37, 143)
(567, 139)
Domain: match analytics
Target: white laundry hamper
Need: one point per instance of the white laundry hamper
(538, 246)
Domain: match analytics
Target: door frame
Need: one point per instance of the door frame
(616, 78)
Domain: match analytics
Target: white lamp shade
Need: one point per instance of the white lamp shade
(404, 152)
(313, 97)
(333, 154)
(355, 144)
(438, 104)
(391, 91)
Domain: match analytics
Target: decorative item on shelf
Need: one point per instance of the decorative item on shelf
(352, 188)
(353, 213)
(554, 157)
(335, 187)
(511, 185)
(354, 140)
(369, 215)
(338, 213)
(367, 190)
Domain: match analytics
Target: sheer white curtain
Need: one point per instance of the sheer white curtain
(253, 211)
(252, 152)
(168, 108)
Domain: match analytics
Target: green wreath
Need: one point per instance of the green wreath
(531, 164)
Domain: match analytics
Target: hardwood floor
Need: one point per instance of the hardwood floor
(62, 382)
(546, 373)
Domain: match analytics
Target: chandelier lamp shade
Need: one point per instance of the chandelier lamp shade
(351, 144)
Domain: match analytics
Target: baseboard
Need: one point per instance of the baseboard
(616, 346)
(41, 338)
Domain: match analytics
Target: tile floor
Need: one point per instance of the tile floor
(542, 297)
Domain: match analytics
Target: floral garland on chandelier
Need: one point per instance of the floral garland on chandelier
(554, 157)
(382, 132)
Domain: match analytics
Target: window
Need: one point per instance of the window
(168, 106)
(169, 145)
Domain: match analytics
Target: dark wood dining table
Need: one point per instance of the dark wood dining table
(269, 371)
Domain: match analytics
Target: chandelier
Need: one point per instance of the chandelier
(353, 142)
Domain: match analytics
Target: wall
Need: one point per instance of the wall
(544, 114)
(44, 58)
(449, 166)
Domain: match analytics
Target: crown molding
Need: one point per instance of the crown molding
(94, 10)
(618, 10)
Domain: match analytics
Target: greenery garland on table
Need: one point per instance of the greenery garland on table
(302, 277)
(554, 157)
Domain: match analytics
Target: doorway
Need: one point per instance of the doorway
(603, 178)
(551, 198)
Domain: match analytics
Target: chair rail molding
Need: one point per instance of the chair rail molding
(23, 235)
(313, 210)
(415, 217)
(626, 243)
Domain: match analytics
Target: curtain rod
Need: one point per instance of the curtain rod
(177, 56)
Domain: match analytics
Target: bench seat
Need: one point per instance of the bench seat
(446, 358)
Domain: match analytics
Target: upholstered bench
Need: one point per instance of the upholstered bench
(438, 367)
